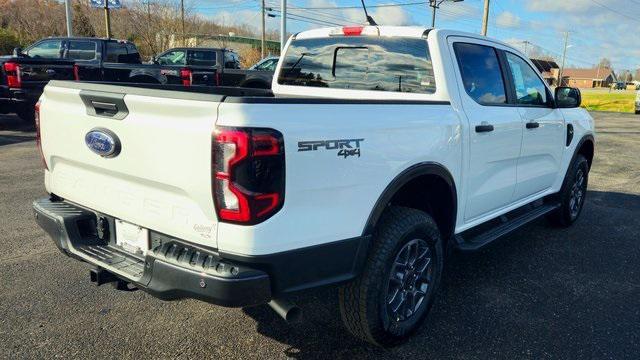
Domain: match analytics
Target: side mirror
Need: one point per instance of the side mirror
(18, 52)
(568, 97)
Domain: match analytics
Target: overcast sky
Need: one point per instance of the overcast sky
(598, 28)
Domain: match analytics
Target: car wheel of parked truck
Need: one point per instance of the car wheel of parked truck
(393, 294)
(572, 194)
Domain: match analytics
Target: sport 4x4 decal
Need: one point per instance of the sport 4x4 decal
(346, 147)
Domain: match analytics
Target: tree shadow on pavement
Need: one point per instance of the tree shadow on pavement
(540, 292)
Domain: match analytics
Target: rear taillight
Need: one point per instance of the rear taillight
(186, 76)
(38, 134)
(248, 174)
(12, 70)
(76, 73)
(218, 79)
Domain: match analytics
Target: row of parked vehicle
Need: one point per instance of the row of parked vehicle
(24, 74)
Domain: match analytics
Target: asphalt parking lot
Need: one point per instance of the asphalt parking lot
(540, 293)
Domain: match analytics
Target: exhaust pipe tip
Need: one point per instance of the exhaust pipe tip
(288, 311)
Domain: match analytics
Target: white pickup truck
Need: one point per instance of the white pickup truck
(378, 151)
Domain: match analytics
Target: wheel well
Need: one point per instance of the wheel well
(586, 150)
(433, 195)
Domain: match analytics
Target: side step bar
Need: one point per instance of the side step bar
(471, 240)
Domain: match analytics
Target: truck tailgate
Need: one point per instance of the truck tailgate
(161, 177)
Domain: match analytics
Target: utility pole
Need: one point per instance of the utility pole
(184, 38)
(283, 24)
(485, 18)
(564, 55)
(67, 9)
(107, 18)
(435, 4)
(262, 52)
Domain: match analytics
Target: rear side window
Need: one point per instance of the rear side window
(81, 50)
(360, 63)
(202, 58)
(231, 60)
(481, 74)
(133, 56)
(116, 52)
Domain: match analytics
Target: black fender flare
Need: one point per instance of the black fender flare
(414, 171)
(584, 139)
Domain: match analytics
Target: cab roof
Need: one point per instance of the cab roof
(383, 30)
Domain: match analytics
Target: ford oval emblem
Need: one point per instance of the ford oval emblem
(103, 142)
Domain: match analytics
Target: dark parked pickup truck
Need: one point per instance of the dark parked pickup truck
(24, 74)
(178, 66)
(214, 67)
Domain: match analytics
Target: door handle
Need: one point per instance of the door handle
(104, 107)
(484, 128)
(533, 125)
(104, 104)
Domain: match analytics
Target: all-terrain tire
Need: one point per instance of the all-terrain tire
(572, 194)
(364, 301)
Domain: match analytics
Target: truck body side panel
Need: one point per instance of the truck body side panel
(329, 196)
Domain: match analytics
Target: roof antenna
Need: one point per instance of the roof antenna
(369, 18)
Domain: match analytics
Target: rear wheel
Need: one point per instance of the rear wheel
(572, 194)
(393, 294)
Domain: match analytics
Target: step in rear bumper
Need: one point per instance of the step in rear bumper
(171, 270)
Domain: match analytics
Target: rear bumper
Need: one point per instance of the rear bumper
(170, 270)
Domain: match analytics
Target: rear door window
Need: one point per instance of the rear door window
(202, 58)
(133, 56)
(231, 60)
(81, 50)
(481, 73)
(116, 52)
(360, 63)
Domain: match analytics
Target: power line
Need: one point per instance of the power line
(615, 11)
(360, 7)
(325, 22)
(332, 17)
